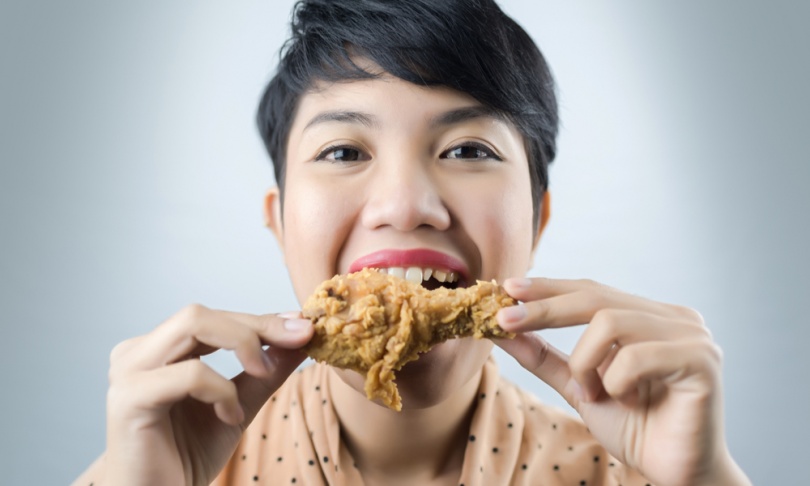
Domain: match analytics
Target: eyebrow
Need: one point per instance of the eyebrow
(467, 113)
(452, 117)
(344, 116)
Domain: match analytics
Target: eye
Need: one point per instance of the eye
(341, 153)
(471, 151)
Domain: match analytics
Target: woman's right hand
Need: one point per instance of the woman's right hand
(171, 419)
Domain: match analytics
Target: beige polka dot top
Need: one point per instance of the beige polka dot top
(513, 440)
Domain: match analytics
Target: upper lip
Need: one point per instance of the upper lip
(417, 257)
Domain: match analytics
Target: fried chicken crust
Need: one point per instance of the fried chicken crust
(374, 323)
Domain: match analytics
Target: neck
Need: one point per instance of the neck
(424, 444)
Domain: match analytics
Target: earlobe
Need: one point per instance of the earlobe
(545, 214)
(272, 214)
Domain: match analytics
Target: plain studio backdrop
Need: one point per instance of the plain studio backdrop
(132, 180)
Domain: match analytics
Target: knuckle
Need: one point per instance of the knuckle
(708, 358)
(690, 314)
(244, 334)
(537, 353)
(266, 324)
(247, 339)
(185, 320)
(542, 311)
(231, 391)
(247, 334)
(119, 350)
(576, 363)
(612, 383)
(627, 359)
(614, 379)
(539, 357)
(116, 358)
(118, 398)
(715, 352)
(191, 313)
(112, 375)
(607, 322)
(595, 286)
(706, 334)
(196, 372)
(114, 399)
(594, 299)
(587, 282)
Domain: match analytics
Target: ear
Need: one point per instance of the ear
(272, 215)
(545, 214)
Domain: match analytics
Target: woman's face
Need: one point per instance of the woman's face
(377, 169)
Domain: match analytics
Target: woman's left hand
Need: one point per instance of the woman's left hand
(644, 376)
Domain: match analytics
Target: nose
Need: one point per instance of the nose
(404, 195)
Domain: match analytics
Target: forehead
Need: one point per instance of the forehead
(379, 93)
(390, 101)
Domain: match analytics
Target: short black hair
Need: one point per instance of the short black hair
(467, 45)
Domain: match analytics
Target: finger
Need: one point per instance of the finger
(543, 288)
(611, 328)
(572, 309)
(123, 348)
(692, 364)
(157, 390)
(197, 330)
(255, 391)
(289, 330)
(599, 295)
(194, 331)
(541, 359)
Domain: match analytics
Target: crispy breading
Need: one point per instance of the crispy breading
(375, 323)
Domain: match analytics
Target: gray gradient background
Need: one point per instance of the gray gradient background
(131, 182)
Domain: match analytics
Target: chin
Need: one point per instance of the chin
(435, 377)
(441, 372)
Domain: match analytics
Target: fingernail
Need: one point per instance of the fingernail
(290, 315)
(512, 315)
(518, 283)
(297, 325)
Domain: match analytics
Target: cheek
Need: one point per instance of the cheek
(315, 222)
(499, 219)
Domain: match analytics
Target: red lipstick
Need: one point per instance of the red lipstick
(419, 257)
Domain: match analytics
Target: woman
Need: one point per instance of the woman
(417, 135)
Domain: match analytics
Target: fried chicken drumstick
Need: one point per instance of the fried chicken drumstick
(375, 323)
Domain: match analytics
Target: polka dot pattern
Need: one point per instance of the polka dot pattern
(513, 440)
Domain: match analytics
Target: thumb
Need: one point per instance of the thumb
(543, 360)
(254, 391)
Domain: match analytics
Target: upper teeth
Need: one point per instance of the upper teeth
(417, 274)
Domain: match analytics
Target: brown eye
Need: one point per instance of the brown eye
(470, 151)
(340, 154)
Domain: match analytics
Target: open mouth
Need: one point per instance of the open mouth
(424, 266)
(430, 278)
